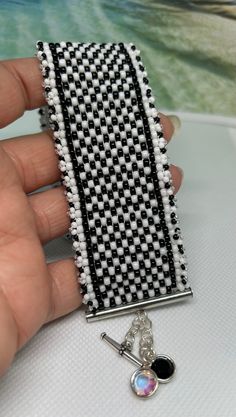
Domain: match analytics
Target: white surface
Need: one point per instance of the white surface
(67, 371)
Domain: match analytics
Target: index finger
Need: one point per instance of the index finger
(20, 88)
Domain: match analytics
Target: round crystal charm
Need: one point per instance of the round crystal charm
(144, 382)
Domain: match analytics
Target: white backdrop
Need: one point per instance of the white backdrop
(66, 370)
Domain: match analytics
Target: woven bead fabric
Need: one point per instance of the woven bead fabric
(115, 170)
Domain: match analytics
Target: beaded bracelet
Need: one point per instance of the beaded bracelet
(112, 155)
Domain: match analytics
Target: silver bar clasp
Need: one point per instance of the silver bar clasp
(139, 305)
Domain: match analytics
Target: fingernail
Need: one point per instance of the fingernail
(180, 171)
(176, 122)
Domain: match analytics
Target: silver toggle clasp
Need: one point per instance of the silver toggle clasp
(144, 381)
(121, 349)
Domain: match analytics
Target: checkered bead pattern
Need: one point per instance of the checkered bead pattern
(112, 156)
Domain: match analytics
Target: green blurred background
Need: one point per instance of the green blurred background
(189, 47)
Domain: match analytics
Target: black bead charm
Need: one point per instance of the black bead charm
(164, 367)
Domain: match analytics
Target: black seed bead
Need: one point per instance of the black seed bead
(123, 299)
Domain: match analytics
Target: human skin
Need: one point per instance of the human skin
(33, 292)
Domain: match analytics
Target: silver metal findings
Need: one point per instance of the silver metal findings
(153, 369)
(133, 307)
(120, 348)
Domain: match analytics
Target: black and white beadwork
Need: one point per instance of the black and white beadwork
(115, 170)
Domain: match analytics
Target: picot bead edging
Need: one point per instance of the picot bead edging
(112, 155)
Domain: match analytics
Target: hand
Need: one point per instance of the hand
(32, 292)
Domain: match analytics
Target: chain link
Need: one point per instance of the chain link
(142, 325)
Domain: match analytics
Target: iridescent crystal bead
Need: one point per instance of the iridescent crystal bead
(144, 382)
